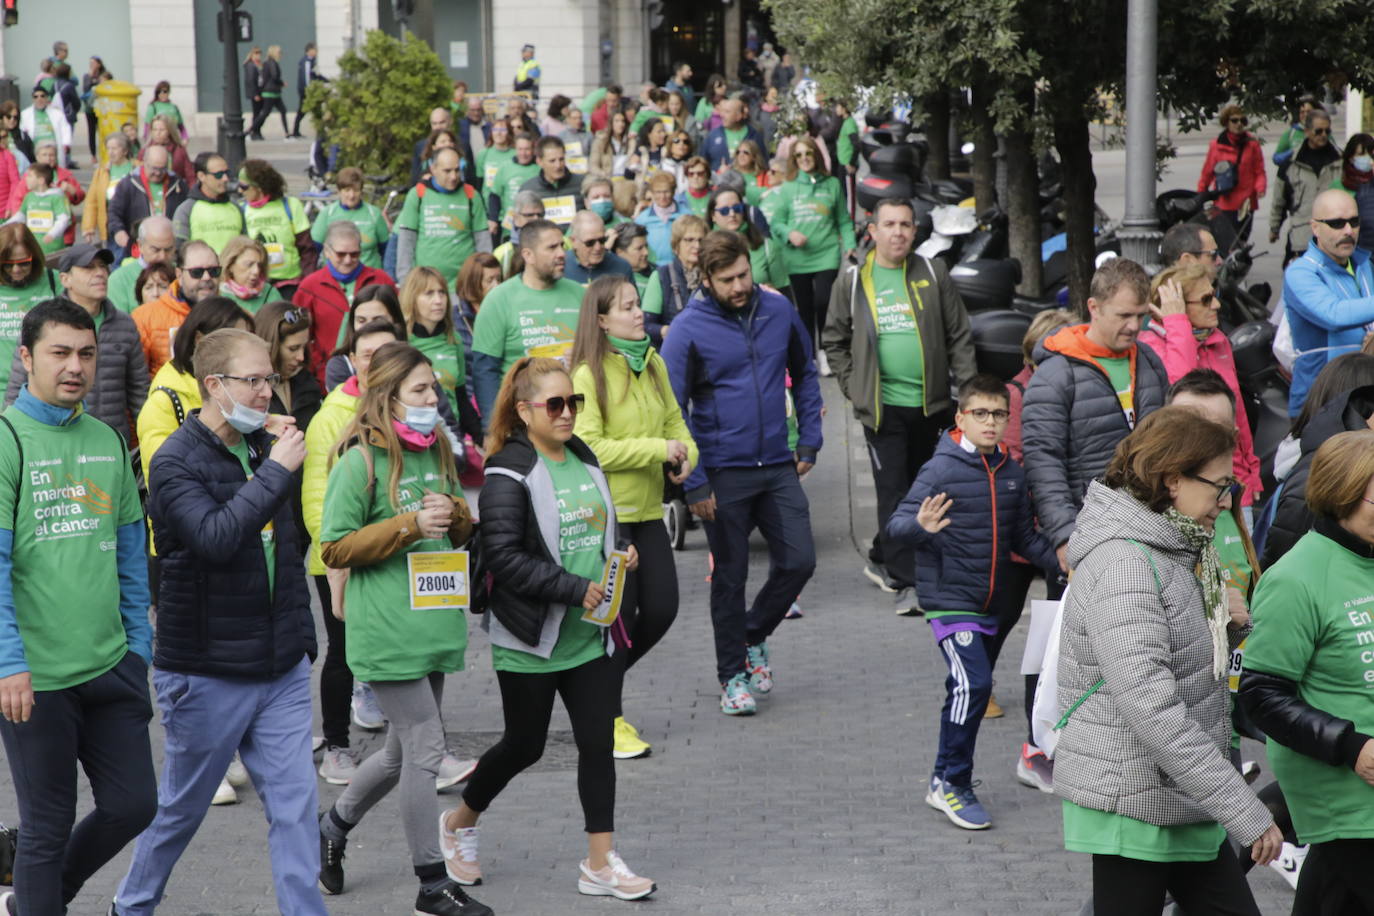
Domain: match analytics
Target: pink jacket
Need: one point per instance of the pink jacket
(1181, 352)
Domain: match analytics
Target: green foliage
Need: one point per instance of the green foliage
(379, 104)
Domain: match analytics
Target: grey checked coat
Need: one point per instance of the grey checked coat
(1152, 742)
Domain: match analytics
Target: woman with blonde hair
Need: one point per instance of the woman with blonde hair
(425, 305)
(162, 131)
(270, 86)
(540, 474)
(244, 263)
(393, 495)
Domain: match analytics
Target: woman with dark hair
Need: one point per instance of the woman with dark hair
(542, 477)
(632, 423)
(1148, 628)
(551, 125)
(1305, 680)
(296, 393)
(613, 148)
(1241, 183)
(480, 275)
(19, 141)
(1357, 168)
(708, 119)
(632, 244)
(439, 139)
(25, 281)
(161, 104)
(377, 302)
(428, 313)
(1347, 371)
(152, 282)
(725, 210)
(94, 76)
(279, 222)
(652, 142)
(11, 173)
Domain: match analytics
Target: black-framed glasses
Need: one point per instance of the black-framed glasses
(1340, 223)
(1223, 487)
(592, 243)
(554, 407)
(254, 382)
(198, 272)
(983, 415)
(1320, 131)
(732, 208)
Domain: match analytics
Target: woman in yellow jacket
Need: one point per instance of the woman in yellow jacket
(632, 422)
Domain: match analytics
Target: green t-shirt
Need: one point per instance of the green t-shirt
(15, 302)
(1235, 563)
(581, 550)
(447, 359)
(277, 229)
(733, 138)
(901, 363)
(443, 224)
(642, 282)
(510, 178)
(1103, 833)
(1119, 374)
(214, 223)
(43, 131)
(120, 288)
(371, 226)
(489, 162)
(75, 490)
(42, 210)
(1314, 625)
(387, 640)
(158, 189)
(697, 204)
(156, 108)
(517, 321)
(117, 173)
(269, 532)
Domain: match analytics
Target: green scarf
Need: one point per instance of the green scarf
(1213, 584)
(636, 352)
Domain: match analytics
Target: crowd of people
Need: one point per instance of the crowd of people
(573, 316)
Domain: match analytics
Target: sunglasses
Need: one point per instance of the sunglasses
(221, 174)
(1320, 131)
(199, 272)
(1205, 300)
(291, 316)
(592, 243)
(554, 406)
(17, 262)
(732, 208)
(1353, 222)
(346, 255)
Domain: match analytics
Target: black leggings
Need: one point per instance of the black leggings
(336, 678)
(589, 694)
(1134, 887)
(812, 295)
(651, 596)
(1334, 880)
(268, 106)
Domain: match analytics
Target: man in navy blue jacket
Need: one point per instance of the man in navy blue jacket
(729, 354)
(721, 143)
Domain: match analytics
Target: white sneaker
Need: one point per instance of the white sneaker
(460, 852)
(225, 794)
(1289, 863)
(823, 364)
(453, 771)
(236, 774)
(615, 880)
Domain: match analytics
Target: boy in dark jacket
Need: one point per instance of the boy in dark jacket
(966, 512)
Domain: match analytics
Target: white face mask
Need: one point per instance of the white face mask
(243, 419)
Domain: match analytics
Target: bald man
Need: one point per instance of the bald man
(590, 257)
(1328, 292)
(156, 245)
(149, 190)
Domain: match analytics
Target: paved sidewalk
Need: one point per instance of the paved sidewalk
(815, 805)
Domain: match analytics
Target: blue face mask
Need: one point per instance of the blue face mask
(1363, 163)
(421, 419)
(602, 208)
(244, 419)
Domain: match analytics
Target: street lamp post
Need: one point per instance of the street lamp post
(231, 145)
(1139, 232)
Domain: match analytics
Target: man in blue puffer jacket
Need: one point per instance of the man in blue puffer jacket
(1328, 292)
(728, 354)
(966, 512)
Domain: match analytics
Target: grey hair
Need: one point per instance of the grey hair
(528, 199)
(342, 228)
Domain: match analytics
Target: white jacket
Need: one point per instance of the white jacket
(59, 125)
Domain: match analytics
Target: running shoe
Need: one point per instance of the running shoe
(613, 880)
(453, 771)
(875, 573)
(628, 744)
(237, 774)
(906, 603)
(225, 794)
(338, 766)
(735, 698)
(756, 665)
(460, 852)
(1289, 863)
(794, 612)
(959, 804)
(11, 906)
(1034, 769)
(448, 899)
(367, 715)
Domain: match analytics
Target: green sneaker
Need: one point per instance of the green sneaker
(735, 698)
(756, 665)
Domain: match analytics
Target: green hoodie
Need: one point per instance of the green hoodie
(813, 205)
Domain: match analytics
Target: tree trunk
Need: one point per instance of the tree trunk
(1023, 208)
(936, 107)
(984, 165)
(1073, 141)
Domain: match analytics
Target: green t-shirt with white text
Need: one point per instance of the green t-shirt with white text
(1119, 374)
(41, 210)
(901, 362)
(15, 302)
(443, 224)
(517, 321)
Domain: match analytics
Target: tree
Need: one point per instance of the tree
(379, 104)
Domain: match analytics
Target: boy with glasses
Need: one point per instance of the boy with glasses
(965, 514)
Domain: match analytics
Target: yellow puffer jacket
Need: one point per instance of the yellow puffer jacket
(632, 444)
(320, 438)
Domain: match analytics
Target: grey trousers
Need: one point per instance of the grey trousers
(411, 756)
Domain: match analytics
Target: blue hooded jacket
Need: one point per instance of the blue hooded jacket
(991, 515)
(1328, 313)
(728, 368)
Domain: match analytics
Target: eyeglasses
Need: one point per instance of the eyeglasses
(1320, 131)
(254, 382)
(805, 154)
(1223, 487)
(554, 406)
(983, 415)
(1204, 300)
(1208, 253)
(221, 174)
(681, 140)
(592, 243)
(198, 272)
(732, 208)
(697, 173)
(346, 255)
(1353, 222)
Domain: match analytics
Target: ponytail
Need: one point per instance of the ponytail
(520, 384)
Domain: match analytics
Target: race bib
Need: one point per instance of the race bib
(40, 220)
(613, 581)
(1233, 669)
(558, 351)
(438, 579)
(560, 210)
(276, 254)
(489, 173)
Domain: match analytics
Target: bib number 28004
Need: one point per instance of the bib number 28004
(438, 579)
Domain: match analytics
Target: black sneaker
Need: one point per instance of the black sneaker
(331, 864)
(449, 899)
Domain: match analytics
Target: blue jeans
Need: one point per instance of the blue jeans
(771, 499)
(967, 688)
(206, 720)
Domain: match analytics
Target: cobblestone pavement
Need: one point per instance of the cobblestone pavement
(815, 805)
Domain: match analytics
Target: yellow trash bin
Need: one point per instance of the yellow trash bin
(116, 102)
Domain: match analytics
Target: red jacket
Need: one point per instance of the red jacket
(1250, 181)
(323, 297)
(9, 179)
(1016, 392)
(1181, 352)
